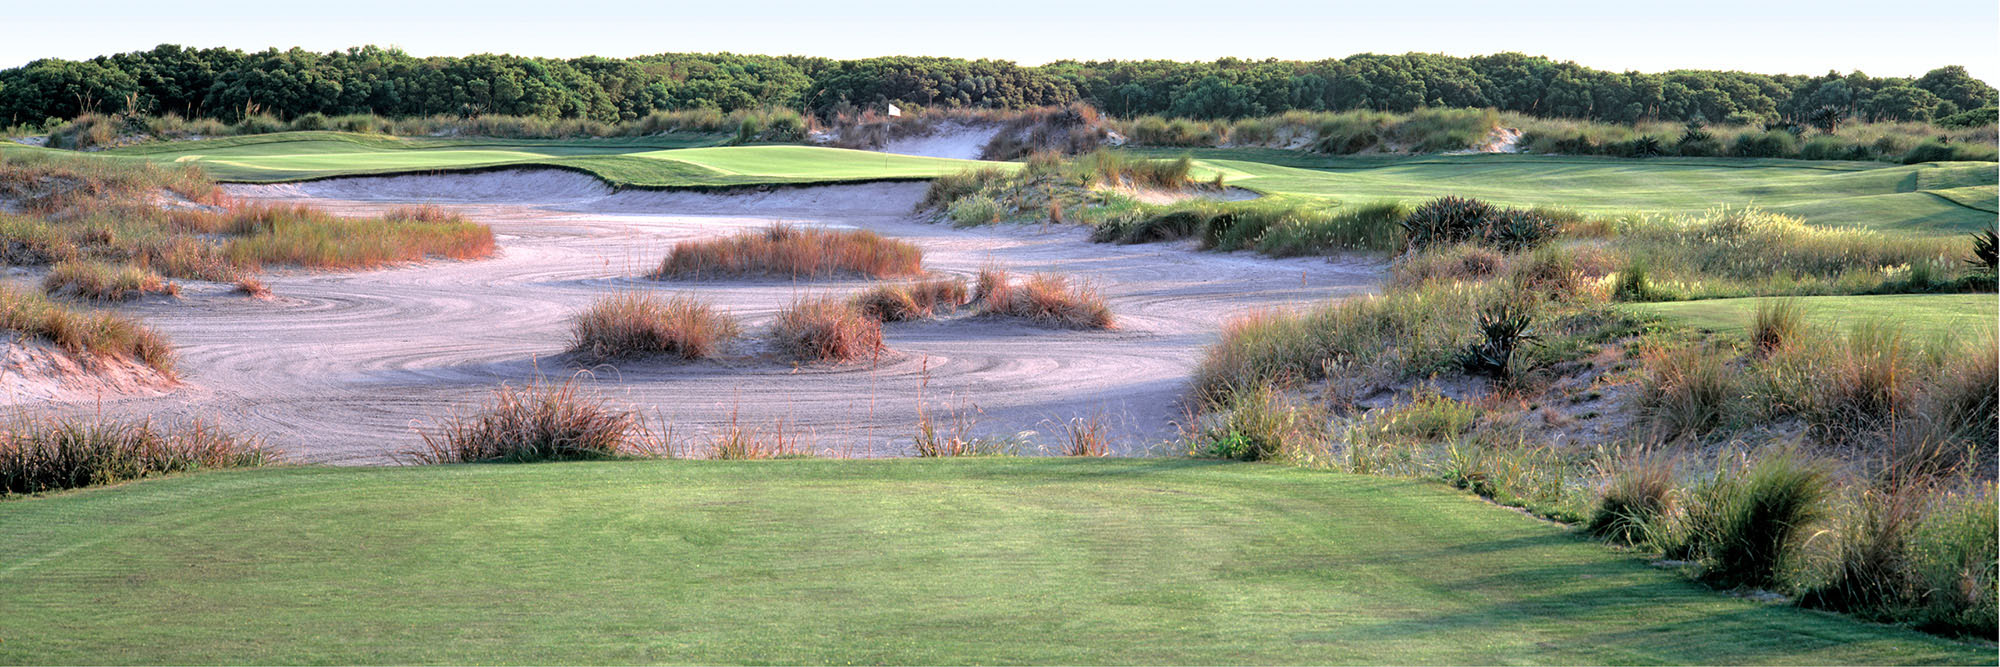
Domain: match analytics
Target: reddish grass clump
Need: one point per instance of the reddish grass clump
(912, 301)
(1044, 297)
(824, 329)
(627, 325)
(539, 422)
(792, 252)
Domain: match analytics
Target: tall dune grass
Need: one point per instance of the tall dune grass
(83, 333)
(44, 454)
(637, 324)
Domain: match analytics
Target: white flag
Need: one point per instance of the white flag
(895, 112)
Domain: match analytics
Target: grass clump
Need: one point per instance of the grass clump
(1635, 502)
(105, 282)
(83, 334)
(789, 251)
(39, 455)
(303, 236)
(918, 300)
(1451, 220)
(1776, 322)
(1044, 298)
(1687, 391)
(1744, 523)
(538, 422)
(640, 324)
(826, 330)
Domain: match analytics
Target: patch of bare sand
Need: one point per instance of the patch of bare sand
(957, 140)
(36, 372)
(344, 366)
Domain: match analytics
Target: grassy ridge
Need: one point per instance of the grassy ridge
(899, 561)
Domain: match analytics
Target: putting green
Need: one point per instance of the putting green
(998, 560)
(1923, 315)
(668, 161)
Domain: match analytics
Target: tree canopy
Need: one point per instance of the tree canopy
(228, 84)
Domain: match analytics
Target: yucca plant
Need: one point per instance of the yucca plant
(1985, 251)
(1444, 221)
(1503, 328)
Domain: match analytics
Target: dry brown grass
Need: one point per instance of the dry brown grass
(105, 282)
(304, 236)
(792, 252)
(538, 422)
(1044, 298)
(252, 287)
(85, 334)
(912, 301)
(825, 329)
(640, 324)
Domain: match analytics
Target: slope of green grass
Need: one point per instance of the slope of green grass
(1924, 198)
(890, 561)
(1921, 315)
(663, 161)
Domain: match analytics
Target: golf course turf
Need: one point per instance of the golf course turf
(994, 560)
(1918, 315)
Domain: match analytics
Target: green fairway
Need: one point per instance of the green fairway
(1949, 197)
(1921, 315)
(667, 161)
(886, 561)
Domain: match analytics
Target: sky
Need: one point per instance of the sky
(1877, 37)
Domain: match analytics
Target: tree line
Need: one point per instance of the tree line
(229, 84)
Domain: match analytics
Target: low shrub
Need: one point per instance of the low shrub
(792, 252)
(1257, 424)
(639, 324)
(1503, 328)
(538, 422)
(824, 329)
(1451, 220)
(1635, 501)
(39, 455)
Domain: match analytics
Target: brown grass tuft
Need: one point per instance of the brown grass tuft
(824, 329)
(99, 281)
(1045, 298)
(82, 333)
(792, 252)
(38, 455)
(636, 324)
(912, 301)
(539, 422)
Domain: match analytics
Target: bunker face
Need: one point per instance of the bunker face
(343, 367)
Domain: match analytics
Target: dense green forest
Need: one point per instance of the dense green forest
(228, 84)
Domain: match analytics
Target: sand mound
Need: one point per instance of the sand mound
(32, 371)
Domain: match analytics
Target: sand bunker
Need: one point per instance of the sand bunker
(36, 372)
(950, 140)
(341, 367)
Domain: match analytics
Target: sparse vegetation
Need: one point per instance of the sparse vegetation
(789, 251)
(104, 282)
